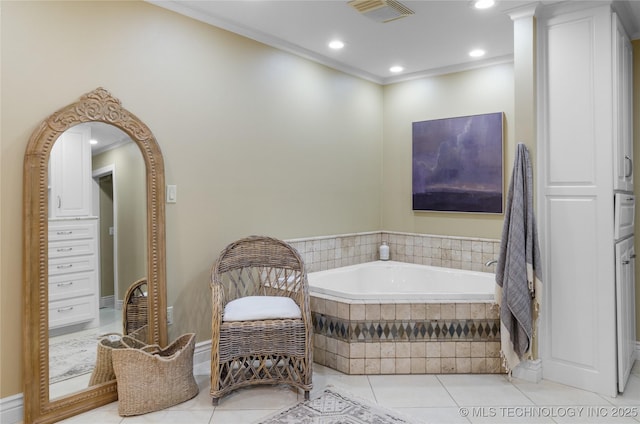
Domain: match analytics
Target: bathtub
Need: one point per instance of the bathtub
(402, 282)
(400, 318)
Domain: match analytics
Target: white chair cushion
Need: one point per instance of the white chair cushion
(261, 307)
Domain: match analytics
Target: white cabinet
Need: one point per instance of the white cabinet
(625, 308)
(70, 174)
(73, 273)
(622, 107)
(584, 139)
(624, 206)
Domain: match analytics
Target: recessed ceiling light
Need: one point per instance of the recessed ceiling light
(396, 69)
(477, 53)
(483, 4)
(336, 44)
(93, 141)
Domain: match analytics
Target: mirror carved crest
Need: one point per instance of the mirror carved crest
(97, 106)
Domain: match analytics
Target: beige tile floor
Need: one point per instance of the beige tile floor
(425, 398)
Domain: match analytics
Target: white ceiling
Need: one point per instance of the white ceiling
(435, 40)
(107, 136)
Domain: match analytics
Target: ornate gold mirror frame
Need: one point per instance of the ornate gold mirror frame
(100, 106)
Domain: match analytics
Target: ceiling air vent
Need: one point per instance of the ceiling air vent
(381, 10)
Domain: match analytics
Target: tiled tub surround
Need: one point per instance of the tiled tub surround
(403, 338)
(406, 338)
(322, 253)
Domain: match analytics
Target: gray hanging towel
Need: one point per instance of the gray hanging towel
(518, 281)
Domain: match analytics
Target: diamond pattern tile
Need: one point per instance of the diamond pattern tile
(420, 330)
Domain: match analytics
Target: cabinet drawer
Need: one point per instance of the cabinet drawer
(69, 230)
(60, 249)
(73, 264)
(72, 311)
(624, 215)
(77, 284)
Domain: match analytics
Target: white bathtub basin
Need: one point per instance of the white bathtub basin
(402, 282)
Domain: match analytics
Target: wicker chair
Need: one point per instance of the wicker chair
(135, 310)
(266, 350)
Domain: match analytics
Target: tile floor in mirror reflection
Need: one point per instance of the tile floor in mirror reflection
(110, 322)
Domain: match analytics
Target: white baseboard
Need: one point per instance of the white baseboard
(532, 370)
(12, 407)
(202, 357)
(108, 301)
(119, 304)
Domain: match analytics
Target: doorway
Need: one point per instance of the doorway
(104, 198)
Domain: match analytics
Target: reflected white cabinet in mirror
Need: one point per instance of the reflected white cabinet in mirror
(73, 233)
(70, 174)
(73, 273)
(41, 255)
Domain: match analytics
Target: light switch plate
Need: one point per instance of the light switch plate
(172, 193)
(169, 315)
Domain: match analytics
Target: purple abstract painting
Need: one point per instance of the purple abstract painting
(457, 164)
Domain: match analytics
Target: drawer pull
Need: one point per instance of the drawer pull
(64, 233)
(64, 266)
(64, 249)
(67, 309)
(628, 172)
(68, 283)
(625, 262)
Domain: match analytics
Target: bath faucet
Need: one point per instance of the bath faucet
(491, 262)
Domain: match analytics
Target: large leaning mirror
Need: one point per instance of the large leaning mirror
(60, 217)
(97, 248)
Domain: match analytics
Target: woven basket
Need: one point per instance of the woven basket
(148, 382)
(103, 371)
(134, 343)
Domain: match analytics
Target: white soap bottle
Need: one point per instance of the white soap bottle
(384, 251)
